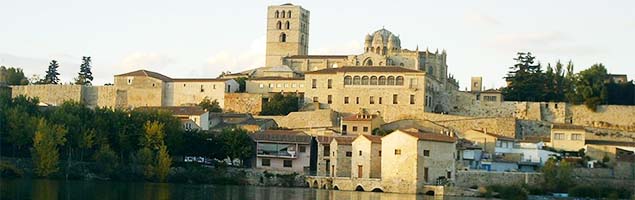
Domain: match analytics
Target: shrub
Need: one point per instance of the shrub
(8, 170)
(599, 192)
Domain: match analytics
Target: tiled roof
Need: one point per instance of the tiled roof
(344, 140)
(282, 136)
(318, 56)
(611, 143)
(147, 73)
(567, 126)
(502, 137)
(276, 79)
(324, 139)
(165, 78)
(431, 136)
(372, 138)
(359, 117)
(364, 69)
(177, 110)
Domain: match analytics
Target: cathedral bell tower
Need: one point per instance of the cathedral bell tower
(287, 32)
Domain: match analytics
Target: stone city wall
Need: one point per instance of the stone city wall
(50, 94)
(484, 178)
(243, 103)
(608, 116)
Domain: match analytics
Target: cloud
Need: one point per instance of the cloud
(238, 60)
(480, 19)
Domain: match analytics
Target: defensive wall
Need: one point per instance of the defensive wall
(243, 103)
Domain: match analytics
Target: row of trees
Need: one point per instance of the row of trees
(15, 76)
(528, 82)
(126, 142)
(281, 104)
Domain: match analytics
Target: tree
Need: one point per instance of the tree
(557, 175)
(210, 106)
(242, 85)
(45, 152)
(21, 128)
(163, 163)
(85, 76)
(280, 105)
(12, 76)
(51, 74)
(154, 134)
(86, 141)
(145, 158)
(236, 144)
(590, 86)
(526, 80)
(106, 160)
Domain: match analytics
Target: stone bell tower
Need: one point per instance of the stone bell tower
(287, 32)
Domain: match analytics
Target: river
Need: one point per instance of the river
(57, 189)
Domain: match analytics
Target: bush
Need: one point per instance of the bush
(8, 170)
(506, 192)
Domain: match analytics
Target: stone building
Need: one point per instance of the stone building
(490, 142)
(361, 124)
(147, 88)
(287, 32)
(567, 137)
(192, 117)
(341, 154)
(324, 155)
(366, 160)
(283, 150)
(267, 86)
(411, 159)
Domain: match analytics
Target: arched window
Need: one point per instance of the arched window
(277, 14)
(279, 25)
(364, 80)
(289, 14)
(348, 80)
(287, 25)
(399, 80)
(302, 40)
(382, 80)
(356, 80)
(401, 64)
(381, 63)
(356, 63)
(391, 80)
(282, 14)
(377, 50)
(369, 62)
(283, 37)
(373, 80)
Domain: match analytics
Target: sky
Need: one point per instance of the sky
(204, 38)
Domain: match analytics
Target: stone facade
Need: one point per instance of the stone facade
(91, 96)
(287, 32)
(341, 154)
(366, 161)
(243, 103)
(567, 137)
(361, 123)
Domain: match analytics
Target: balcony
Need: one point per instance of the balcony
(274, 150)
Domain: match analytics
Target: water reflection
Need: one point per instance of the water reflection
(53, 189)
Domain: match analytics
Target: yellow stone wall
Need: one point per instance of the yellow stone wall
(370, 158)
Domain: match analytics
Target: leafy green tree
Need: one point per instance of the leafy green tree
(154, 134)
(590, 86)
(45, 147)
(210, 106)
(51, 74)
(21, 128)
(12, 76)
(526, 80)
(621, 93)
(106, 160)
(85, 76)
(163, 163)
(237, 144)
(86, 142)
(145, 158)
(280, 104)
(557, 175)
(242, 85)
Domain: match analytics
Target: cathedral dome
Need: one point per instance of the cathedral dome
(385, 38)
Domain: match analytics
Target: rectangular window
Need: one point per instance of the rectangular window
(426, 152)
(302, 149)
(327, 151)
(294, 85)
(558, 136)
(397, 151)
(412, 99)
(394, 99)
(576, 136)
(287, 163)
(425, 174)
(279, 85)
(330, 84)
(365, 129)
(262, 85)
(379, 153)
(360, 153)
(345, 100)
(354, 128)
(301, 85)
(314, 83)
(372, 100)
(286, 85)
(315, 99)
(499, 143)
(449, 176)
(266, 162)
(356, 100)
(270, 85)
(330, 99)
(380, 100)
(349, 154)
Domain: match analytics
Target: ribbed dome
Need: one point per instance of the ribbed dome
(385, 38)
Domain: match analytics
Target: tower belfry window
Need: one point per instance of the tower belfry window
(283, 37)
(287, 25)
(277, 14)
(283, 14)
(289, 14)
(279, 25)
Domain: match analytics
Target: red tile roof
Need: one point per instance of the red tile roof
(200, 79)
(324, 139)
(344, 140)
(502, 137)
(567, 126)
(431, 136)
(372, 138)
(364, 69)
(277, 79)
(177, 110)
